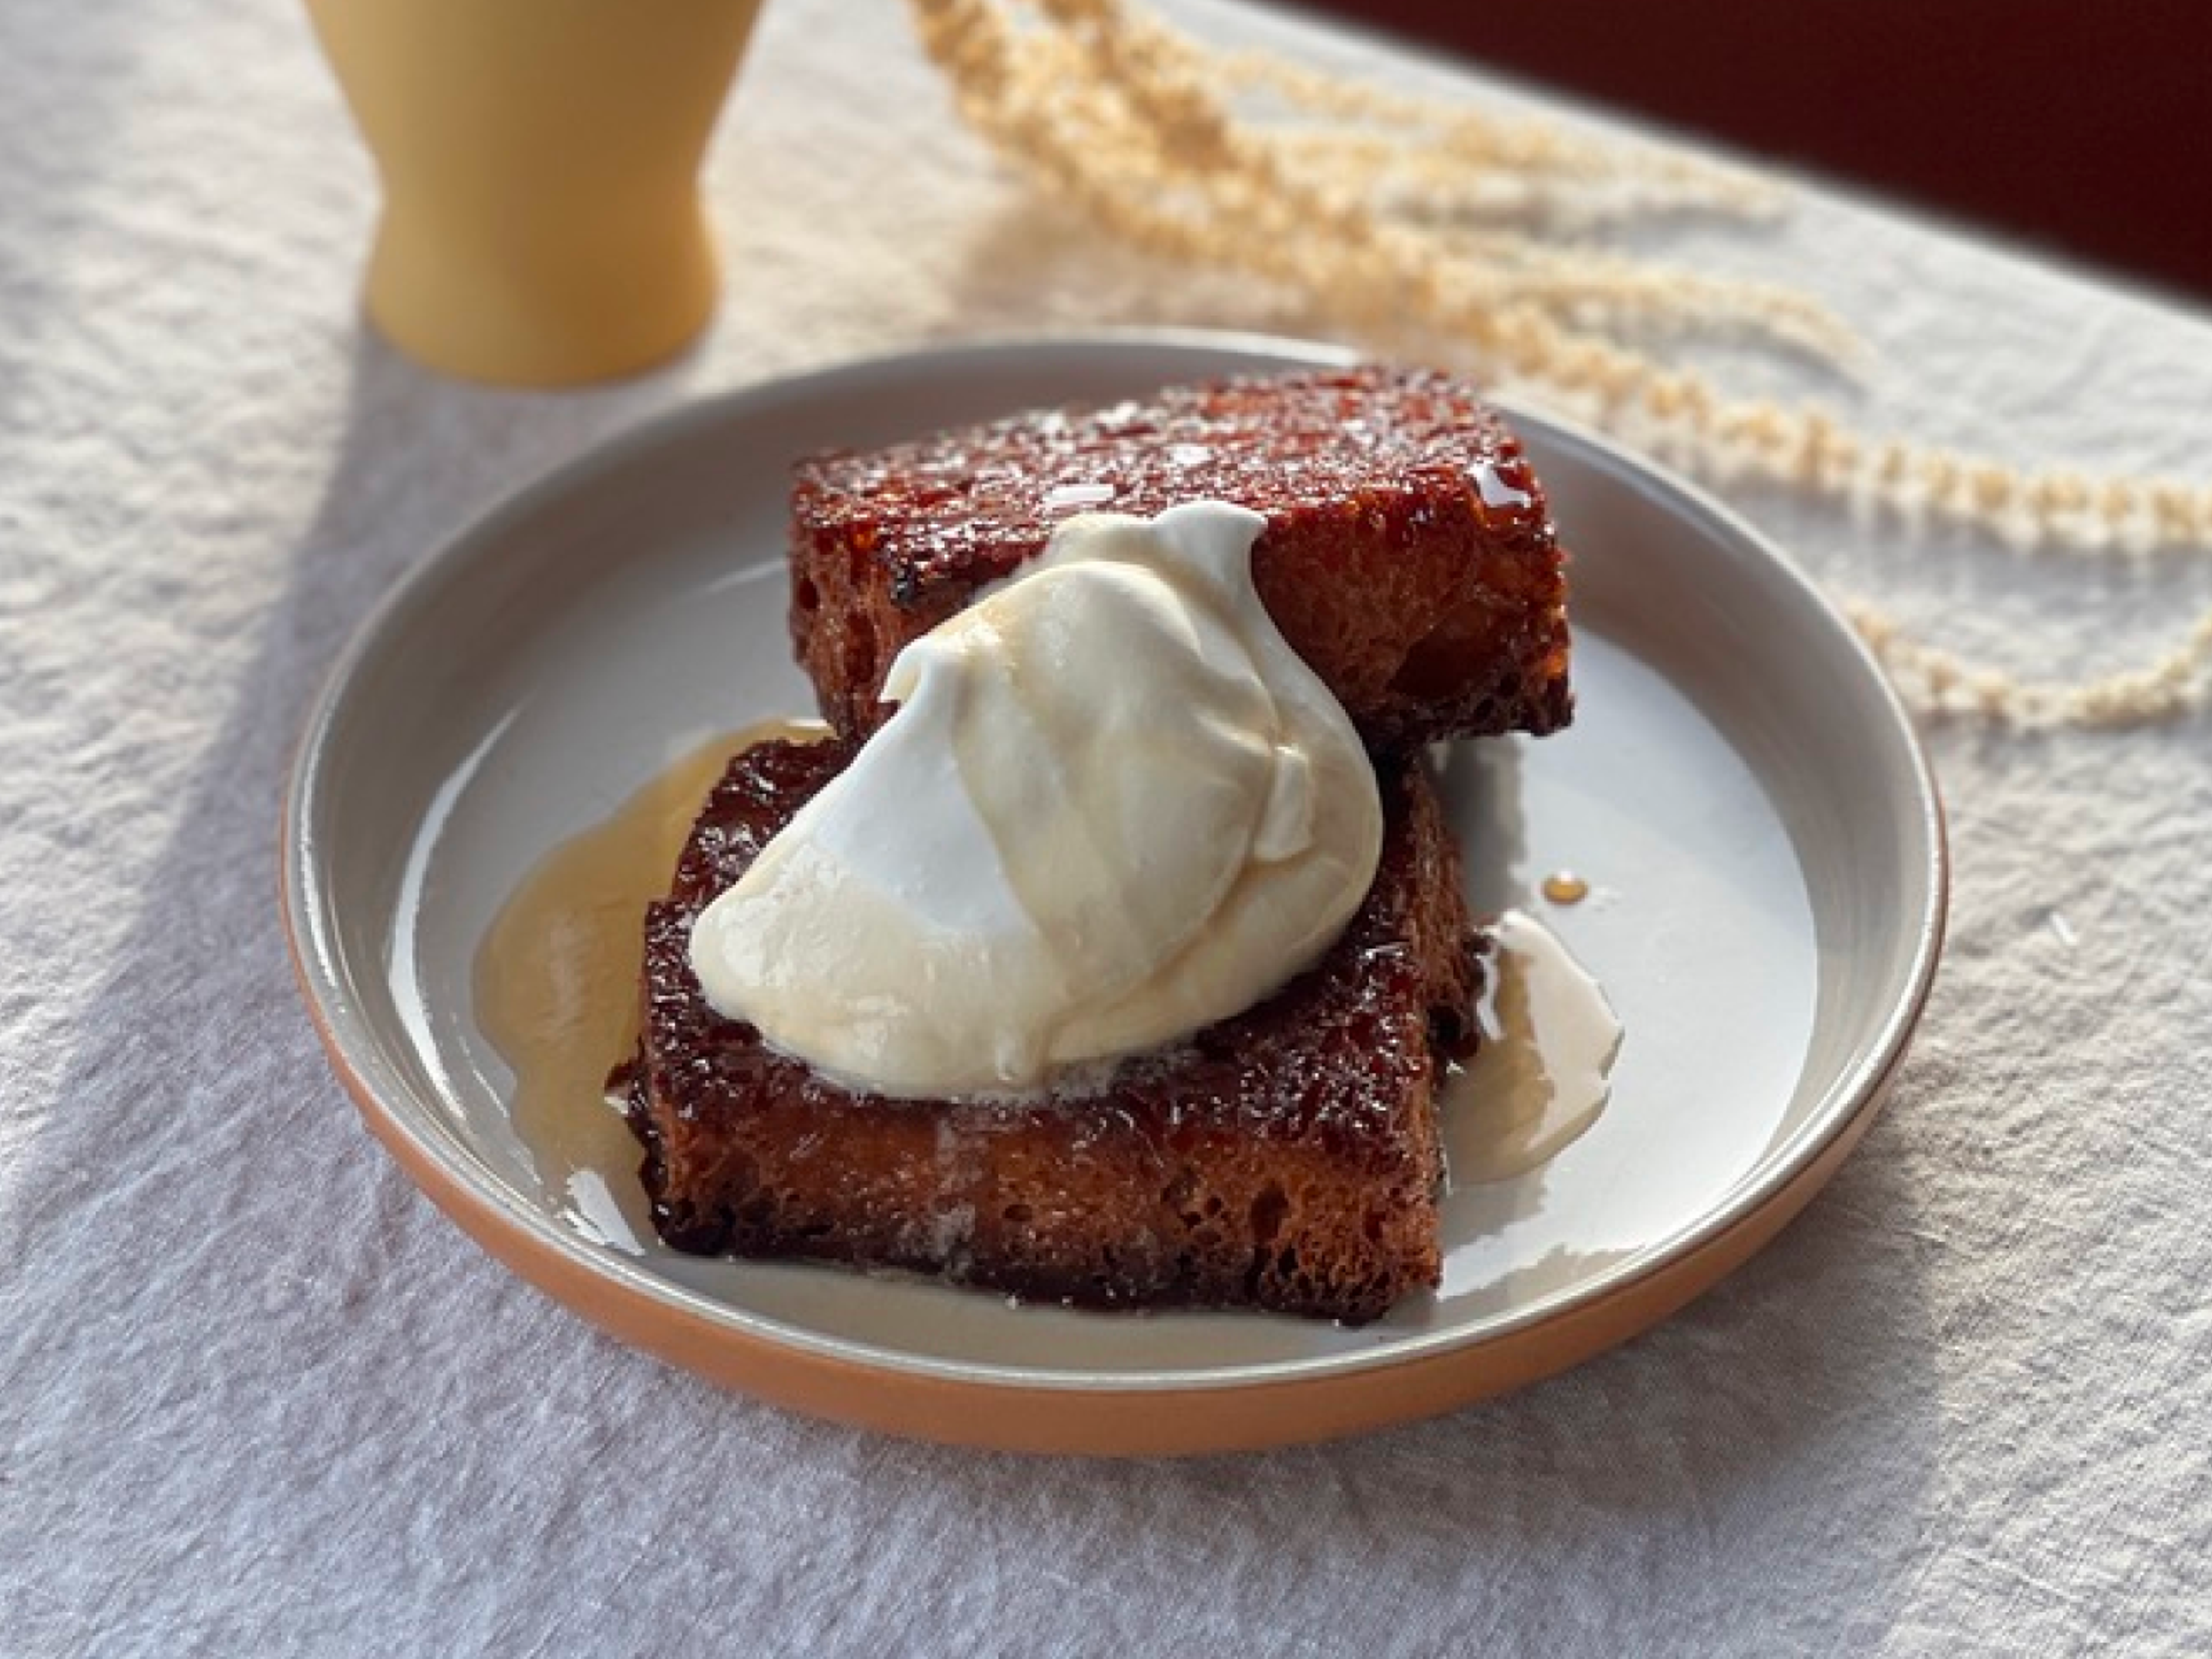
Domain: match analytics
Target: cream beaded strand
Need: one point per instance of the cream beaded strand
(1391, 209)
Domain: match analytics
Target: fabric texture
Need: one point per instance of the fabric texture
(258, 1395)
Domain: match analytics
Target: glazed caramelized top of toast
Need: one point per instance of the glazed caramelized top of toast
(1409, 554)
(967, 506)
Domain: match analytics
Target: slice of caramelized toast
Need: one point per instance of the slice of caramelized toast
(1287, 1158)
(1408, 556)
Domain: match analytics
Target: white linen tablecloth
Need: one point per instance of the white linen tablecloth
(257, 1395)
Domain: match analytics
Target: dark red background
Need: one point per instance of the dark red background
(2084, 128)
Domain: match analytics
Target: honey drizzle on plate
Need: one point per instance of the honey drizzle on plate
(556, 984)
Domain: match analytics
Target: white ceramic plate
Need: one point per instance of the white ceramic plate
(1740, 787)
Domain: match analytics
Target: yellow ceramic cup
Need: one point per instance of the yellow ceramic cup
(540, 163)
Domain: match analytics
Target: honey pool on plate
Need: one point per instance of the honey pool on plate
(556, 985)
(556, 993)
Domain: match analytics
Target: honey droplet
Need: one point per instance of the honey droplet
(1565, 887)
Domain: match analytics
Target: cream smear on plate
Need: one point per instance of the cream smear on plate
(1544, 1071)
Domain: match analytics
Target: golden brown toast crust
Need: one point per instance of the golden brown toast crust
(1287, 1158)
(1409, 554)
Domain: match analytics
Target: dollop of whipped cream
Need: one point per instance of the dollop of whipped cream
(1113, 806)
